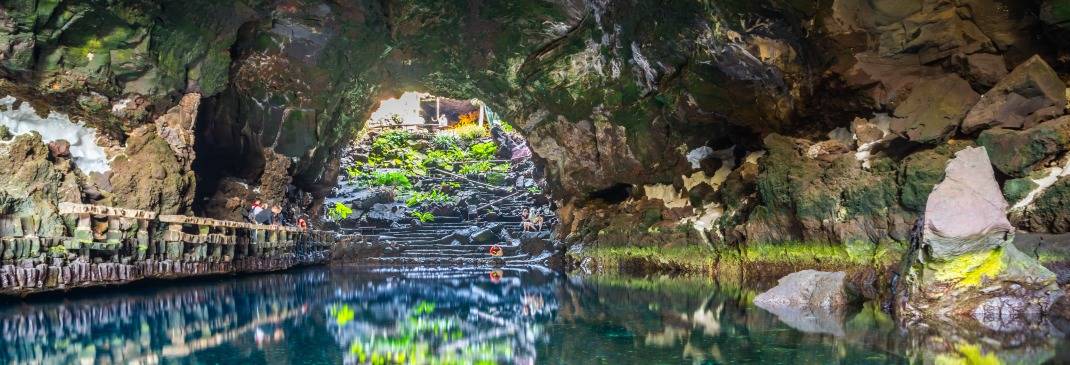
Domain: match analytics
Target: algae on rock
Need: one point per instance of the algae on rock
(966, 265)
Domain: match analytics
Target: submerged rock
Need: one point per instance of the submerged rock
(808, 300)
(966, 260)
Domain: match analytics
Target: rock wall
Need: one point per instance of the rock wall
(759, 121)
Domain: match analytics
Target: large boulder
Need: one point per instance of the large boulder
(808, 300)
(966, 262)
(1028, 95)
(1016, 153)
(933, 109)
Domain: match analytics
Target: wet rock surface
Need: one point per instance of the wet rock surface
(810, 301)
(966, 265)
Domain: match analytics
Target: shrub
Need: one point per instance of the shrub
(388, 143)
(484, 150)
(476, 167)
(506, 127)
(534, 190)
(354, 171)
(423, 217)
(470, 132)
(495, 178)
(396, 179)
(445, 141)
(339, 211)
(434, 196)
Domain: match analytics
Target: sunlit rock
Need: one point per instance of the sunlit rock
(810, 301)
(1030, 94)
(966, 257)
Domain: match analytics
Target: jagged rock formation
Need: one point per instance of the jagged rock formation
(967, 264)
(834, 118)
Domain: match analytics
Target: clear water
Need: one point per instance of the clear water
(527, 316)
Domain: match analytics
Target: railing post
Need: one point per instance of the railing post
(83, 234)
(142, 239)
(173, 240)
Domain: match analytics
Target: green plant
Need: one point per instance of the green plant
(423, 217)
(339, 211)
(470, 132)
(434, 196)
(534, 190)
(354, 172)
(475, 167)
(445, 141)
(391, 139)
(506, 127)
(484, 150)
(495, 178)
(395, 179)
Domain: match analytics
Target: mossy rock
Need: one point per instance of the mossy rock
(1049, 212)
(1016, 189)
(918, 174)
(1015, 153)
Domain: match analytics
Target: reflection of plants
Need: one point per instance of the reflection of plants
(423, 217)
(424, 336)
(339, 211)
(342, 314)
(434, 196)
(423, 307)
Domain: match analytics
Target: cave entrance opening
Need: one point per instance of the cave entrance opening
(434, 169)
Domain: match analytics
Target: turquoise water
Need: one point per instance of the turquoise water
(525, 316)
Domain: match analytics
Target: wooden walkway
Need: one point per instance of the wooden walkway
(107, 246)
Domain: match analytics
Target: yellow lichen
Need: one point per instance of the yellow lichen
(969, 269)
(967, 354)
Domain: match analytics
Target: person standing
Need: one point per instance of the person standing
(254, 210)
(276, 215)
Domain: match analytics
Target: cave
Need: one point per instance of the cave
(828, 147)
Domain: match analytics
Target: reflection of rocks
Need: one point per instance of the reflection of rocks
(967, 265)
(809, 301)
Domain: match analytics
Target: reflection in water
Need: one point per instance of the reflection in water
(473, 316)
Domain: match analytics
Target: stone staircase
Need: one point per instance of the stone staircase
(446, 241)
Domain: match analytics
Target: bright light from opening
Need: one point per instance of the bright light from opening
(406, 108)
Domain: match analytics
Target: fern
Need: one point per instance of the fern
(423, 217)
(339, 211)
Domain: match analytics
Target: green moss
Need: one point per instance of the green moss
(918, 174)
(968, 270)
(1016, 189)
(691, 257)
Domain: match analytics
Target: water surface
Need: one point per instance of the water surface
(470, 316)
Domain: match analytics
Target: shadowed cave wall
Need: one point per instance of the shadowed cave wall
(674, 121)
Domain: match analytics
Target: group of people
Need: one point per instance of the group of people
(259, 213)
(531, 220)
